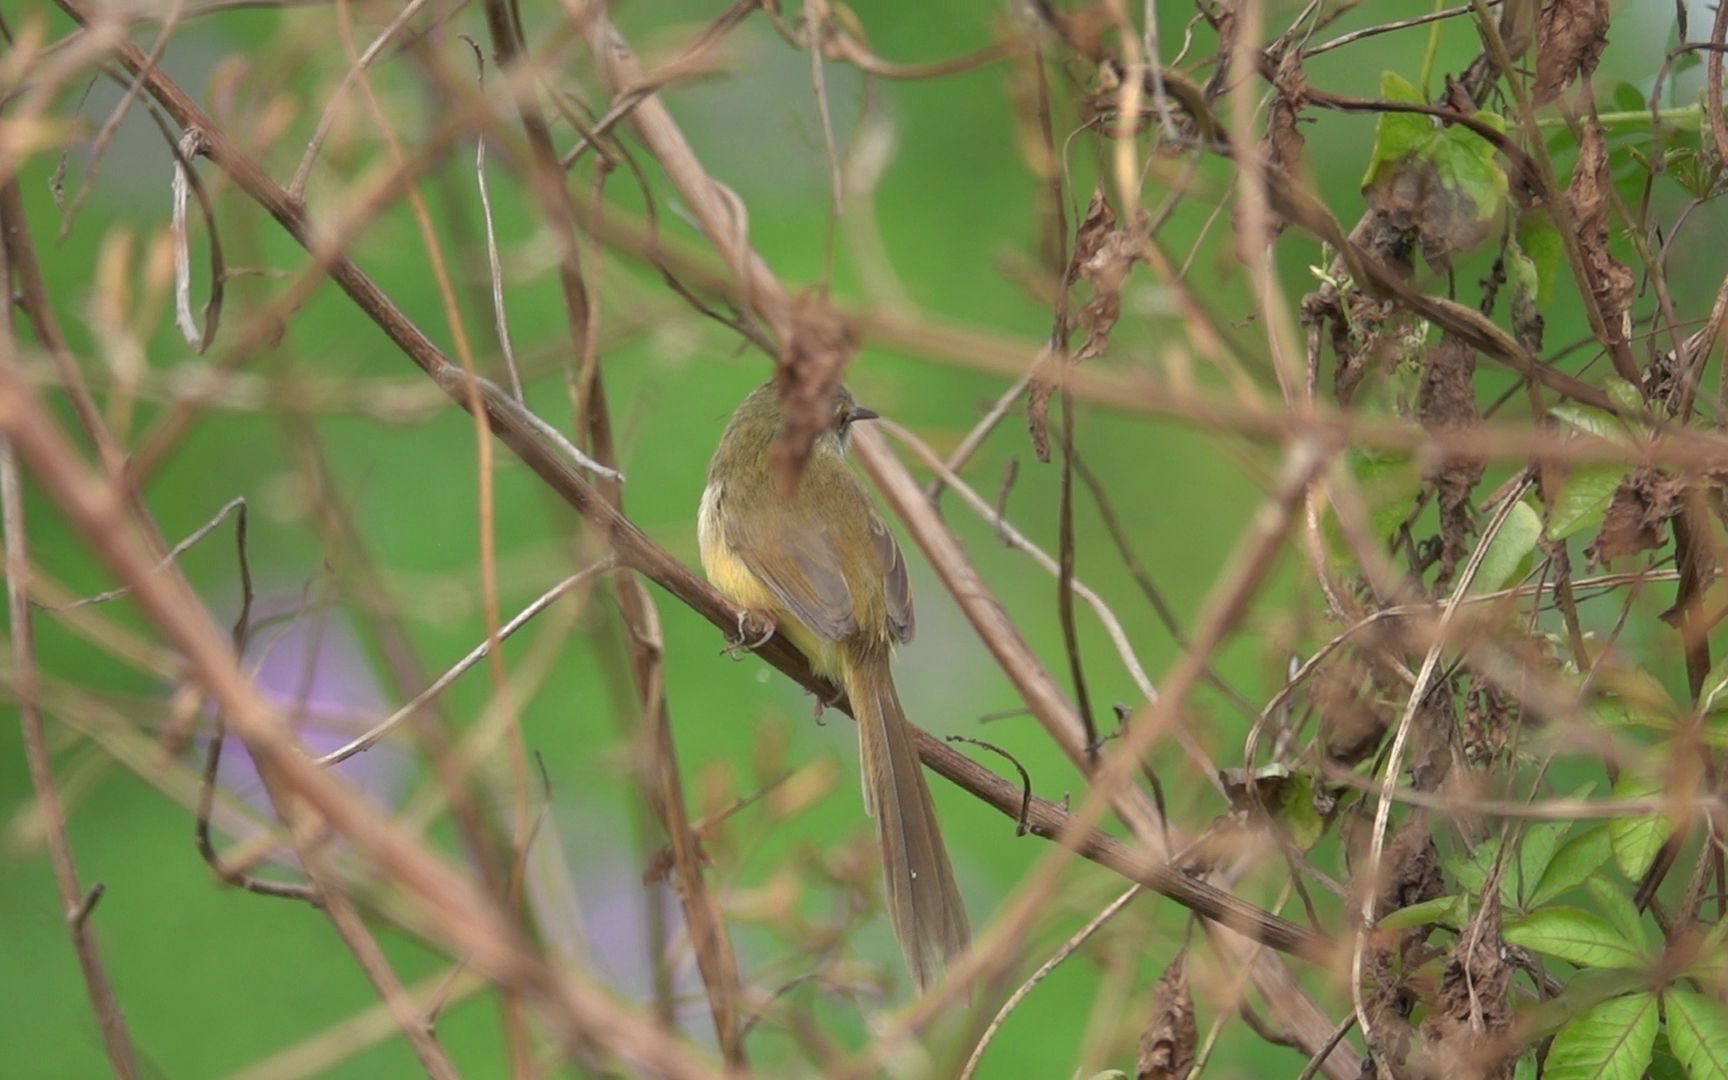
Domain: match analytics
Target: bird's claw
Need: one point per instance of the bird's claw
(741, 644)
(823, 704)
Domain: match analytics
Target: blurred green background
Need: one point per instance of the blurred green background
(215, 979)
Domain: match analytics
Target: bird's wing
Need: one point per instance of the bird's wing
(896, 586)
(797, 559)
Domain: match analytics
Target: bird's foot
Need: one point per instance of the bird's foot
(744, 643)
(823, 704)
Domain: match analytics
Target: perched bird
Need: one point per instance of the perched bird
(821, 566)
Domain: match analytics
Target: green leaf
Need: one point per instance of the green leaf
(1613, 1041)
(1536, 848)
(1603, 425)
(1540, 244)
(1469, 165)
(1583, 502)
(1447, 178)
(1285, 794)
(1471, 870)
(1578, 858)
(1627, 398)
(1508, 548)
(1663, 1064)
(1398, 135)
(1452, 911)
(1698, 1032)
(1628, 98)
(1637, 839)
(1389, 483)
(1635, 697)
(1615, 904)
(1581, 937)
(1526, 1067)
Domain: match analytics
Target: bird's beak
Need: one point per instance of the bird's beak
(859, 412)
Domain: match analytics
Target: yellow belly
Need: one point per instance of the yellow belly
(728, 573)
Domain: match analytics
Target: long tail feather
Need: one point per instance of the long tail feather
(924, 904)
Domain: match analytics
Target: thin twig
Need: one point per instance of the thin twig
(375, 734)
(236, 506)
(1069, 948)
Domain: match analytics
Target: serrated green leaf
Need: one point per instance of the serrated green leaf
(1612, 1041)
(1581, 937)
(1508, 548)
(1698, 1032)
(1452, 911)
(1637, 839)
(1583, 502)
(1579, 857)
(1614, 902)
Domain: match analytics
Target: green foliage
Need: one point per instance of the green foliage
(1584, 499)
(1637, 839)
(1573, 934)
(1612, 1041)
(1538, 252)
(1577, 859)
(1697, 1030)
(1509, 550)
(1389, 482)
(1467, 163)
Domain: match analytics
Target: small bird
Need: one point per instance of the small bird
(822, 567)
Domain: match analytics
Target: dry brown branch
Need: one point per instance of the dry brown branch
(76, 903)
(1392, 679)
(465, 918)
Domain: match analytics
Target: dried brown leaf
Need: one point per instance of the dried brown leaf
(1643, 503)
(1038, 415)
(1409, 874)
(1472, 1004)
(1418, 195)
(1518, 25)
(1410, 868)
(1570, 35)
(1284, 141)
(1447, 401)
(1587, 196)
(1350, 726)
(1103, 256)
(1432, 729)
(1168, 1043)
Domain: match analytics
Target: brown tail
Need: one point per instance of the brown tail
(923, 902)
